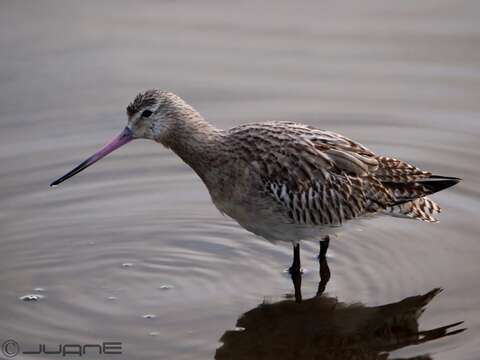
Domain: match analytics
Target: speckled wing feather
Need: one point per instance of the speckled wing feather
(323, 178)
(397, 171)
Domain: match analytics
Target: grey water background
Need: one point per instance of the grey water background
(136, 234)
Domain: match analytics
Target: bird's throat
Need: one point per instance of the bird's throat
(197, 143)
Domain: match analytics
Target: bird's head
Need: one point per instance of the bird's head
(151, 115)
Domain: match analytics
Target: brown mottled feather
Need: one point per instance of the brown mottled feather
(324, 178)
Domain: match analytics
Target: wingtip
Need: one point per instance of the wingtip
(437, 183)
(445, 178)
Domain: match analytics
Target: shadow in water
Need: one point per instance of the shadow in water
(324, 328)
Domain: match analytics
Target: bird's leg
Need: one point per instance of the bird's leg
(324, 247)
(324, 269)
(296, 259)
(296, 273)
(297, 285)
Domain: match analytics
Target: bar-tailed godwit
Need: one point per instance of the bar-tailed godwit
(283, 181)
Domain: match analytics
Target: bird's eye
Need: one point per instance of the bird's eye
(146, 113)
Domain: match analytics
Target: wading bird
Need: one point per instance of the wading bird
(283, 181)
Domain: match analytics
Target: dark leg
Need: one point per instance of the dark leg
(324, 269)
(297, 285)
(296, 273)
(296, 260)
(323, 247)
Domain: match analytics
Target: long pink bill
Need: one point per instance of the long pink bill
(125, 136)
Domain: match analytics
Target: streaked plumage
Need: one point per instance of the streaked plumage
(281, 180)
(323, 178)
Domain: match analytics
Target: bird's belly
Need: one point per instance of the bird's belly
(288, 232)
(271, 225)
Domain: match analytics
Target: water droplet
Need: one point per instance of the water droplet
(127, 265)
(149, 316)
(112, 298)
(166, 287)
(39, 289)
(302, 271)
(31, 297)
(153, 333)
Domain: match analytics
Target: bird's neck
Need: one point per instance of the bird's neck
(197, 142)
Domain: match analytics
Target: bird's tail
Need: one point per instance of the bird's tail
(423, 209)
(411, 200)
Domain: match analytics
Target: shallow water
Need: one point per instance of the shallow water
(133, 251)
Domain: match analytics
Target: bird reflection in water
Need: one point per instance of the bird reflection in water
(323, 328)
